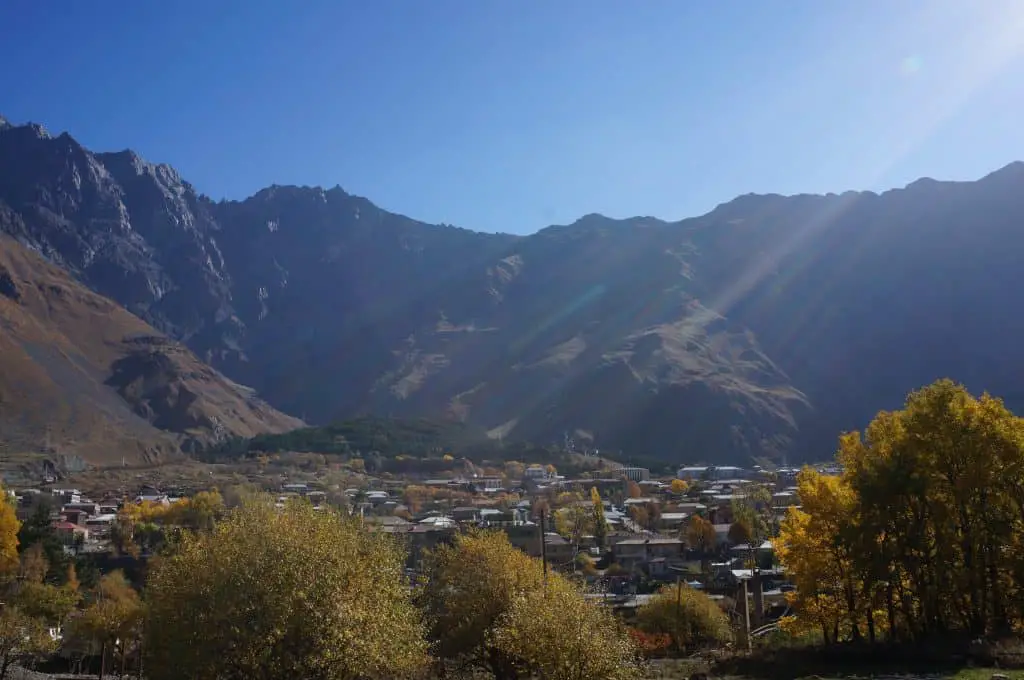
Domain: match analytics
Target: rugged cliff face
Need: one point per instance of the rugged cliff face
(81, 376)
(762, 328)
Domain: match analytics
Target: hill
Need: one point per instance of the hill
(762, 328)
(80, 376)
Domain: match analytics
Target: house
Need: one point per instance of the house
(710, 472)
(100, 525)
(560, 552)
(636, 552)
(671, 521)
(630, 502)
(158, 499)
(535, 472)
(722, 533)
(70, 534)
(488, 484)
(636, 474)
(524, 537)
(465, 513)
(87, 508)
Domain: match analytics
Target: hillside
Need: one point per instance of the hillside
(80, 376)
(762, 328)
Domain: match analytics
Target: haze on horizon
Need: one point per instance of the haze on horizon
(502, 116)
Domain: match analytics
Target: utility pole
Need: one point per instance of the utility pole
(543, 551)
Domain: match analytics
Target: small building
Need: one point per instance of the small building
(70, 534)
(636, 474)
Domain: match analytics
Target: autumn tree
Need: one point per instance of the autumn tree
(600, 524)
(490, 607)
(23, 639)
(739, 532)
(292, 593)
(700, 536)
(9, 529)
(679, 487)
(633, 490)
(112, 619)
(638, 513)
(689, 617)
(574, 521)
(559, 635)
(198, 513)
(921, 534)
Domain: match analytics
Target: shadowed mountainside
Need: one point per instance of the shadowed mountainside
(762, 328)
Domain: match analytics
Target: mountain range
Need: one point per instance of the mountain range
(761, 329)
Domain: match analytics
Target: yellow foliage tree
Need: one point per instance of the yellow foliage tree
(491, 607)
(559, 635)
(921, 533)
(292, 593)
(113, 616)
(689, 617)
(679, 487)
(9, 527)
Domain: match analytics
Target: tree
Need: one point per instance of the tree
(653, 515)
(688, 616)
(286, 593)
(739, 532)
(600, 525)
(559, 635)
(112, 618)
(679, 487)
(700, 536)
(23, 638)
(9, 530)
(38, 529)
(490, 607)
(50, 604)
(921, 534)
(638, 513)
(633, 490)
(200, 512)
(471, 587)
(573, 522)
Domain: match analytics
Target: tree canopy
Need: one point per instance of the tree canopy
(922, 532)
(293, 593)
(492, 608)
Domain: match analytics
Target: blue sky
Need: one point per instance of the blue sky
(514, 114)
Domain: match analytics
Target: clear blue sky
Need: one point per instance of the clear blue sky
(514, 114)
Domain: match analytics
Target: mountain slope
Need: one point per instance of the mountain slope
(761, 328)
(81, 376)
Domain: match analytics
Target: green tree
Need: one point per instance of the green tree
(38, 530)
(292, 593)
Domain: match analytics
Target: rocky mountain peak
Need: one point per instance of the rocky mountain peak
(762, 328)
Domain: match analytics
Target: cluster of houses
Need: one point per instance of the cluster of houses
(83, 524)
(635, 556)
(645, 541)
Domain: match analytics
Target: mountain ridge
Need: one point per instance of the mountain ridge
(750, 331)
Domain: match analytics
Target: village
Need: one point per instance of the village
(620, 532)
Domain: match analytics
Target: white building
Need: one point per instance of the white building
(636, 474)
(712, 472)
